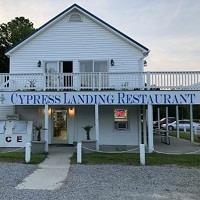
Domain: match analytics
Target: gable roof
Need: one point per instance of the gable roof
(57, 17)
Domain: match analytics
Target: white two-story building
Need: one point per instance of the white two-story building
(76, 71)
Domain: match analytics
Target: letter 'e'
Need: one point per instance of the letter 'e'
(19, 138)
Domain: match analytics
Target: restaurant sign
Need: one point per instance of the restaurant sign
(15, 133)
(101, 98)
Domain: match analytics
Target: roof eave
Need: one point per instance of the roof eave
(41, 28)
(144, 49)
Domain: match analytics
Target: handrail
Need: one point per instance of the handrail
(148, 80)
(107, 72)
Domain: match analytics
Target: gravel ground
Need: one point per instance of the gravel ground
(107, 182)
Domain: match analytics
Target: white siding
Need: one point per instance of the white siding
(32, 113)
(108, 135)
(84, 115)
(76, 41)
(6, 110)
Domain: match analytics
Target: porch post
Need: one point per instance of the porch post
(97, 125)
(150, 128)
(191, 124)
(144, 126)
(167, 119)
(177, 122)
(139, 126)
(158, 111)
(46, 126)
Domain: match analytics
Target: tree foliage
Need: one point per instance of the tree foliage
(10, 34)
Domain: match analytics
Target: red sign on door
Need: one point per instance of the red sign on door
(120, 114)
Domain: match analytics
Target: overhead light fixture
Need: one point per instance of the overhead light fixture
(49, 111)
(71, 111)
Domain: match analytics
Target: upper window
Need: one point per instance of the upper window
(75, 17)
(93, 66)
(99, 79)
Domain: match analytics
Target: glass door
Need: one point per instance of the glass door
(94, 74)
(101, 79)
(66, 68)
(52, 69)
(60, 126)
(86, 69)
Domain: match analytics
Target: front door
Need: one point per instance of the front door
(67, 69)
(59, 74)
(59, 126)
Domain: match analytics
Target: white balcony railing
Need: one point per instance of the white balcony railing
(102, 81)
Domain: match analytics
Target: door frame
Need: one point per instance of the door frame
(61, 65)
(52, 128)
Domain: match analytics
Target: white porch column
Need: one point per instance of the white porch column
(144, 126)
(167, 119)
(139, 126)
(191, 124)
(46, 126)
(177, 122)
(158, 112)
(97, 125)
(150, 128)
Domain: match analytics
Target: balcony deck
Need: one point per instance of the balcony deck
(186, 80)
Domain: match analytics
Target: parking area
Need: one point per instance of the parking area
(88, 182)
(177, 145)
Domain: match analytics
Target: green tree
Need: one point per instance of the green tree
(10, 34)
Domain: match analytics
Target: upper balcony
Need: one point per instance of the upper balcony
(101, 81)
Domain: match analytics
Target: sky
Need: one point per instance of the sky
(169, 28)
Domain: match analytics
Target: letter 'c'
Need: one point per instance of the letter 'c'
(8, 139)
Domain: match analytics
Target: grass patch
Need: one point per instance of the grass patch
(185, 136)
(192, 160)
(19, 157)
(103, 158)
(133, 159)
